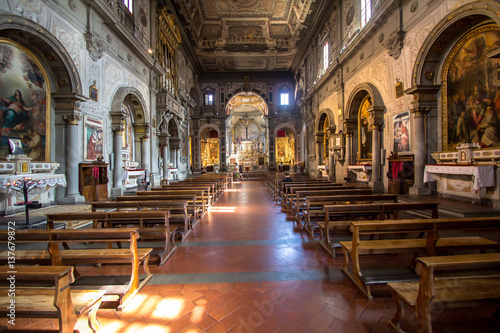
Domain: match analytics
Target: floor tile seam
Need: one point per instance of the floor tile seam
(286, 241)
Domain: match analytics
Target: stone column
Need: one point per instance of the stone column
(142, 147)
(117, 126)
(375, 121)
(230, 145)
(71, 159)
(350, 125)
(331, 155)
(164, 144)
(424, 100)
(319, 158)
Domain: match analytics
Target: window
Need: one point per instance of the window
(284, 99)
(209, 99)
(366, 11)
(325, 56)
(129, 5)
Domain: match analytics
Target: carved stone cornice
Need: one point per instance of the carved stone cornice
(424, 98)
(68, 103)
(163, 139)
(375, 117)
(141, 128)
(117, 121)
(72, 118)
(320, 137)
(331, 130)
(350, 125)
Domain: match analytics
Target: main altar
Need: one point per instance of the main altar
(19, 167)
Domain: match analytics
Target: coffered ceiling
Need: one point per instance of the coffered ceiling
(247, 35)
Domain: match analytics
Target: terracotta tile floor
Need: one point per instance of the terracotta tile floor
(247, 237)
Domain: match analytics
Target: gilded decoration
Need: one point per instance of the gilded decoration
(471, 91)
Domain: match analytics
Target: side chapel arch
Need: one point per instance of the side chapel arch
(63, 89)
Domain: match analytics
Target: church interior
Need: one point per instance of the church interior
(385, 115)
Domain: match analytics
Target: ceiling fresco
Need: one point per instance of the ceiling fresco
(246, 35)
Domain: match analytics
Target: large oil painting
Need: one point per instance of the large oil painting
(364, 131)
(471, 82)
(23, 102)
(93, 138)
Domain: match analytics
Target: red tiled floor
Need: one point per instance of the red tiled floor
(330, 305)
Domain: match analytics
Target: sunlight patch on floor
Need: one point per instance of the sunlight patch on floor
(222, 209)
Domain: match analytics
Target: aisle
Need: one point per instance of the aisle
(244, 269)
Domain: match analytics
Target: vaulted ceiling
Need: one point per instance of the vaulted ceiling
(248, 35)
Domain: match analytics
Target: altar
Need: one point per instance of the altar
(362, 172)
(18, 167)
(470, 181)
(43, 191)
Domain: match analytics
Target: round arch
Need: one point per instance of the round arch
(320, 120)
(50, 52)
(136, 100)
(446, 33)
(251, 99)
(356, 98)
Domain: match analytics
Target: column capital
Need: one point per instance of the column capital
(163, 139)
(72, 118)
(420, 111)
(350, 125)
(141, 128)
(424, 95)
(319, 137)
(68, 103)
(117, 121)
(375, 117)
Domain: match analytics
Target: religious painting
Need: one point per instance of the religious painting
(402, 132)
(285, 146)
(93, 92)
(471, 91)
(364, 131)
(24, 102)
(93, 138)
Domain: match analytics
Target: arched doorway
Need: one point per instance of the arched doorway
(209, 139)
(247, 132)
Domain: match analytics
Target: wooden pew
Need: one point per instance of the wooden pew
(440, 235)
(315, 212)
(454, 289)
(203, 198)
(56, 300)
(118, 293)
(290, 189)
(154, 226)
(299, 199)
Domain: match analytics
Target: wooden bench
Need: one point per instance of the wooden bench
(39, 300)
(438, 235)
(121, 292)
(203, 198)
(289, 192)
(154, 225)
(315, 213)
(454, 289)
(299, 199)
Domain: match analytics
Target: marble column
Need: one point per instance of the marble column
(424, 101)
(117, 126)
(145, 152)
(230, 145)
(165, 147)
(419, 188)
(319, 157)
(71, 160)
(375, 121)
(331, 155)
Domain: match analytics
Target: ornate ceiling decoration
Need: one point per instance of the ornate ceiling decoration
(246, 35)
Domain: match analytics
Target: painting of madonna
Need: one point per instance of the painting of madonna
(23, 96)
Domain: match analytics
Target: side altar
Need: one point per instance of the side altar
(470, 173)
(18, 167)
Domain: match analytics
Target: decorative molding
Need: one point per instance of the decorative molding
(95, 46)
(395, 43)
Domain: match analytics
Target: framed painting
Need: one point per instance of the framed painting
(93, 92)
(93, 140)
(24, 102)
(471, 91)
(402, 132)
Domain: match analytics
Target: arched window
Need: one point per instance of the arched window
(366, 12)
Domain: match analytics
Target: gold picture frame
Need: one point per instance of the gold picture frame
(399, 88)
(93, 92)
